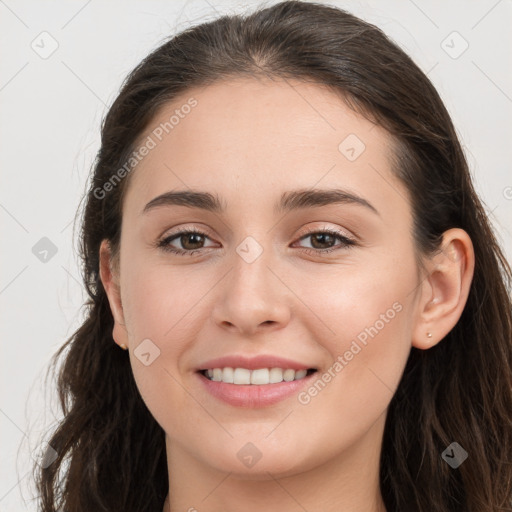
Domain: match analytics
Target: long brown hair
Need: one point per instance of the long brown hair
(111, 451)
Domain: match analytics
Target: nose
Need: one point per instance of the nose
(253, 297)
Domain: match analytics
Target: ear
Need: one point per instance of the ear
(445, 290)
(109, 274)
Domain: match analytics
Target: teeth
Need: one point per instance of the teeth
(228, 375)
(260, 376)
(241, 376)
(256, 377)
(288, 375)
(300, 374)
(275, 375)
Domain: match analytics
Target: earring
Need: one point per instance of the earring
(122, 345)
(429, 335)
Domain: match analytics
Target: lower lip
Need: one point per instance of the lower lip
(251, 395)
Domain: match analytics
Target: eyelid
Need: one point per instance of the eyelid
(184, 229)
(204, 230)
(339, 231)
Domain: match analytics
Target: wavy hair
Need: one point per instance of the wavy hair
(111, 451)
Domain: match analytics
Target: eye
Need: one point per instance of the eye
(327, 236)
(192, 241)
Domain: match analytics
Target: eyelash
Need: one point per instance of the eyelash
(347, 243)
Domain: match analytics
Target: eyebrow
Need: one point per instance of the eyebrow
(291, 200)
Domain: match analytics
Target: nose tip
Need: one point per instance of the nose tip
(252, 299)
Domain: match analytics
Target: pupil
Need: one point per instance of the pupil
(321, 235)
(190, 237)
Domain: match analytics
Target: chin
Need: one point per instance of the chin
(247, 461)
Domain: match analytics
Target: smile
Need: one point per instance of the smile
(257, 377)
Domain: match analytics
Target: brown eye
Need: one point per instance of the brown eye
(319, 240)
(323, 241)
(190, 241)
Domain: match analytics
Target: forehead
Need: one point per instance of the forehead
(264, 136)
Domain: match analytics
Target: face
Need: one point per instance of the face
(279, 278)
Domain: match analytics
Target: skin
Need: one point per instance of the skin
(249, 141)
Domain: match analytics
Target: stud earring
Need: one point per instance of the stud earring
(122, 345)
(429, 335)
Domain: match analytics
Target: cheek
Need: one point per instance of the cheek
(360, 299)
(162, 322)
(162, 303)
(362, 320)
(353, 392)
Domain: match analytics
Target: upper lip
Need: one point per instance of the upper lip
(253, 363)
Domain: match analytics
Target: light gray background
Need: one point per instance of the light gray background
(51, 112)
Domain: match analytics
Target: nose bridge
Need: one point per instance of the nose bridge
(251, 274)
(252, 295)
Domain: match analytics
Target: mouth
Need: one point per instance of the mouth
(254, 388)
(256, 377)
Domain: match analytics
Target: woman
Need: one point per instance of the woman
(282, 233)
